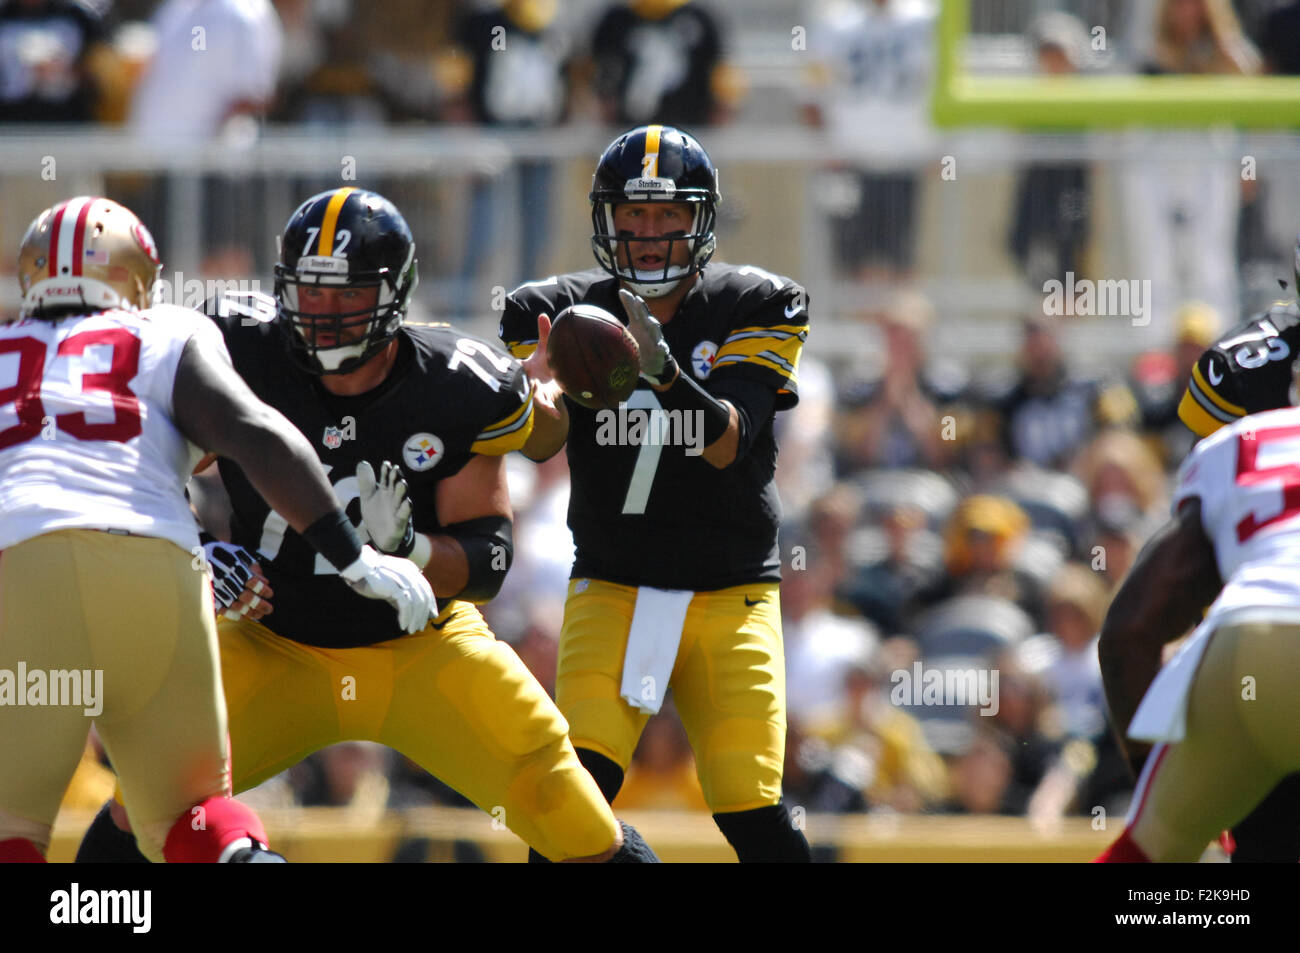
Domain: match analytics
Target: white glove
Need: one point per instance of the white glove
(657, 363)
(398, 582)
(385, 508)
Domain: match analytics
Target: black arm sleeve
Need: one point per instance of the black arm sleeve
(754, 403)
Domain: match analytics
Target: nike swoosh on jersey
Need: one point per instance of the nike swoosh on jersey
(792, 310)
(1215, 379)
(757, 602)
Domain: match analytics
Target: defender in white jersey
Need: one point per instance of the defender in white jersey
(104, 611)
(1224, 711)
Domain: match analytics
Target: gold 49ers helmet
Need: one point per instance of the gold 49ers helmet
(83, 255)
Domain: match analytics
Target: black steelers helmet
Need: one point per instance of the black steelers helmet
(654, 164)
(349, 238)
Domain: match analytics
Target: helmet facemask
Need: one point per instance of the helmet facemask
(381, 321)
(616, 252)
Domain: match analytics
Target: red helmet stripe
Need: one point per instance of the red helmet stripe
(79, 237)
(54, 239)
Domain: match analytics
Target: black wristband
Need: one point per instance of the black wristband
(335, 538)
(668, 371)
(407, 545)
(687, 396)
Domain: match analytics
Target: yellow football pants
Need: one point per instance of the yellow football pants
(452, 698)
(728, 683)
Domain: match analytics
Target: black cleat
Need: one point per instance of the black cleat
(255, 855)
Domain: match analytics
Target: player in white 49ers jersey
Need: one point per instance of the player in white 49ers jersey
(105, 403)
(1224, 711)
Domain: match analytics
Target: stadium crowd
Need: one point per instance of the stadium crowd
(940, 515)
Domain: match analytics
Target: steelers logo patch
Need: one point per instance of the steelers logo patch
(702, 358)
(422, 451)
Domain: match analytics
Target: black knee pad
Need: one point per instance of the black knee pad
(765, 835)
(634, 850)
(608, 775)
(105, 843)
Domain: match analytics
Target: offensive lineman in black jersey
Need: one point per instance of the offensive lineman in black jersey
(411, 425)
(1248, 370)
(677, 567)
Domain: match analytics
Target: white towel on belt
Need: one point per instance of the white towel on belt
(652, 643)
(1162, 716)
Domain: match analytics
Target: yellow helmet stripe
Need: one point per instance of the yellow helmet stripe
(326, 244)
(650, 164)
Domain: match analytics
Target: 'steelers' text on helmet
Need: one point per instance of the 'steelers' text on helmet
(84, 255)
(344, 238)
(653, 164)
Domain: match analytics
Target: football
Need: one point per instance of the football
(593, 356)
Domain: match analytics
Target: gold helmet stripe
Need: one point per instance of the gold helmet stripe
(650, 164)
(326, 244)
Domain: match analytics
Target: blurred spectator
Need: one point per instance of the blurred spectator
(1158, 380)
(981, 543)
(820, 646)
(980, 776)
(1076, 606)
(1200, 36)
(1280, 40)
(54, 59)
(1182, 211)
(1114, 546)
(805, 436)
(1125, 481)
(894, 421)
(1025, 714)
(886, 591)
(662, 776)
(519, 81)
(215, 60)
(351, 775)
(1051, 213)
(661, 61)
(867, 744)
(1049, 412)
(874, 62)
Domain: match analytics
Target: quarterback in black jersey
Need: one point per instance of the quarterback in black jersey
(1248, 370)
(410, 424)
(677, 567)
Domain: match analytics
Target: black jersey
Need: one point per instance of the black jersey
(1246, 371)
(650, 511)
(449, 396)
(657, 69)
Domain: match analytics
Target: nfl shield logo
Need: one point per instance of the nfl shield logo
(333, 438)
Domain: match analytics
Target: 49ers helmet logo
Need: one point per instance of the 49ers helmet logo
(146, 242)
